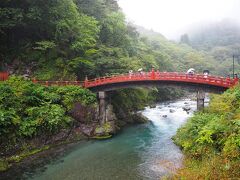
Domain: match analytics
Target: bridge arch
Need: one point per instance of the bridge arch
(198, 82)
(212, 84)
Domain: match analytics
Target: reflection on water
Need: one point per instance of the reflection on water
(143, 151)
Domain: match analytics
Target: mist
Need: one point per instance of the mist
(173, 17)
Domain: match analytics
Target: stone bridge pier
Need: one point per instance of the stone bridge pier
(200, 100)
(107, 117)
(102, 96)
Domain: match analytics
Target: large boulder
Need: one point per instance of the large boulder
(87, 130)
(139, 118)
(105, 130)
(110, 115)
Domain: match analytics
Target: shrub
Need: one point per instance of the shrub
(213, 136)
(28, 110)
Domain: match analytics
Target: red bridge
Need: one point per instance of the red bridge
(198, 82)
(146, 79)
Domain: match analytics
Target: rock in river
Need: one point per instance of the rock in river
(153, 106)
(186, 108)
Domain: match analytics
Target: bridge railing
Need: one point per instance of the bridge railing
(4, 76)
(170, 76)
(143, 76)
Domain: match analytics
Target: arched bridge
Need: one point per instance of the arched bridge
(197, 81)
(200, 82)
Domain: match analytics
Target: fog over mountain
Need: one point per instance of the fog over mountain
(173, 17)
(206, 36)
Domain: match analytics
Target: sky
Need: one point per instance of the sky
(173, 17)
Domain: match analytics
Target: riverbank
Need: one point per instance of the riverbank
(210, 140)
(140, 151)
(66, 137)
(34, 147)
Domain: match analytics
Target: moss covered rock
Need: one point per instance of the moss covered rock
(106, 129)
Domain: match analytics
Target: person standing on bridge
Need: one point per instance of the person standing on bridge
(235, 79)
(130, 74)
(153, 73)
(140, 72)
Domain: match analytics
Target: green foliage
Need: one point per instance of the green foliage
(214, 134)
(71, 94)
(130, 100)
(49, 118)
(44, 45)
(28, 110)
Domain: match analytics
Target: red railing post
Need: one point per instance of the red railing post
(153, 74)
(34, 80)
(235, 80)
(4, 76)
(228, 80)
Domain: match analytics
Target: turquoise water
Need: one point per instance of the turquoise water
(143, 151)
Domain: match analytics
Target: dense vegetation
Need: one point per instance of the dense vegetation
(68, 40)
(180, 56)
(71, 39)
(211, 139)
(30, 110)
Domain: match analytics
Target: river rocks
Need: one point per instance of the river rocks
(152, 106)
(186, 108)
(84, 114)
(63, 134)
(104, 130)
(172, 110)
(87, 129)
(139, 118)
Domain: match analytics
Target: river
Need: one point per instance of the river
(143, 151)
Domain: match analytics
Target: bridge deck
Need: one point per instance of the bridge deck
(142, 77)
(149, 76)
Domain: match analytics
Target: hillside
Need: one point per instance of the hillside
(220, 40)
(181, 55)
(222, 33)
